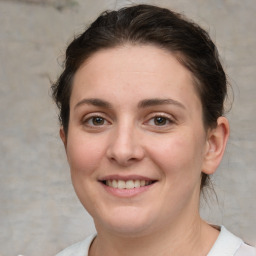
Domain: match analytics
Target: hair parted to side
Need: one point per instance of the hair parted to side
(147, 24)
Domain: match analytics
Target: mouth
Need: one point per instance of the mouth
(127, 184)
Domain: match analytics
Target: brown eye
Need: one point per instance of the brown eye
(94, 121)
(159, 120)
(97, 120)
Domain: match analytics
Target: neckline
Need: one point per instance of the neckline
(226, 243)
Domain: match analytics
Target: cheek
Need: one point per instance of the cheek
(178, 155)
(84, 153)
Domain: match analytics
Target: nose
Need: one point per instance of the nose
(125, 147)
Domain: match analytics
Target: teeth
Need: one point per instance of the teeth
(136, 183)
(142, 183)
(129, 184)
(114, 184)
(121, 184)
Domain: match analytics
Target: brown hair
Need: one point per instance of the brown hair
(147, 24)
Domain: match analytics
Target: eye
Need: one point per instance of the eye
(159, 120)
(95, 121)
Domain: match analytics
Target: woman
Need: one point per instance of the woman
(141, 110)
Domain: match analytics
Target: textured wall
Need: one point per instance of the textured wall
(39, 212)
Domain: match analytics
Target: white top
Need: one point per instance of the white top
(226, 244)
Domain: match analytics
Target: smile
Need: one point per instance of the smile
(128, 184)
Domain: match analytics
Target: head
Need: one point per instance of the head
(150, 25)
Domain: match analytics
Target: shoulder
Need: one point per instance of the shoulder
(78, 249)
(227, 244)
(246, 250)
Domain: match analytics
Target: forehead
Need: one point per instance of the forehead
(140, 71)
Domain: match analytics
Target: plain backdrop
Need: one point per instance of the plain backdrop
(39, 211)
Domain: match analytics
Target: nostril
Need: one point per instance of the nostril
(125, 153)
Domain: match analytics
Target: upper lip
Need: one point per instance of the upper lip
(125, 178)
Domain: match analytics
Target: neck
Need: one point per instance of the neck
(182, 238)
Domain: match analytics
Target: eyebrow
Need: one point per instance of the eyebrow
(142, 104)
(155, 102)
(95, 102)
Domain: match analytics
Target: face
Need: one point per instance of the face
(136, 142)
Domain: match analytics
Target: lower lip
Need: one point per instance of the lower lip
(127, 192)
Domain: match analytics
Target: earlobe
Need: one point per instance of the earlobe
(63, 137)
(216, 144)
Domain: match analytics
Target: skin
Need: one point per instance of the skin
(127, 140)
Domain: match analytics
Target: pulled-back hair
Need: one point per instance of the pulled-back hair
(147, 24)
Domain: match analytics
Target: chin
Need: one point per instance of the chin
(125, 222)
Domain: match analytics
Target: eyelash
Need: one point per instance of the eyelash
(167, 120)
(88, 121)
(91, 118)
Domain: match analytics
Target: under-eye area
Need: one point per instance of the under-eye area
(128, 184)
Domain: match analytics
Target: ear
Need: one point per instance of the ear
(63, 137)
(216, 144)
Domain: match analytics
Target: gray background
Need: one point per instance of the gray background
(39, 212)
